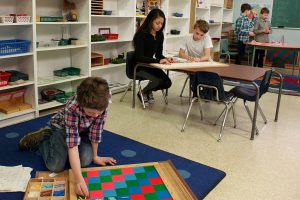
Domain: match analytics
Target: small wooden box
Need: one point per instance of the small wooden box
(12, 102)
(228, 4)
(96, 59)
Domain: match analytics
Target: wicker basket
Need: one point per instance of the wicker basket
(22, 19)
(7, 19)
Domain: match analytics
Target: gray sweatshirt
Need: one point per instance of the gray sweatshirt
(260, 25)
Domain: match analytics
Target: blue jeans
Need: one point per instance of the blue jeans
(54, 150)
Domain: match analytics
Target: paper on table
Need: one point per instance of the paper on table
(14, 179)
(189, 65)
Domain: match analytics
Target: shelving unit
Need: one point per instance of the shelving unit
(214, 12)
(23, 62)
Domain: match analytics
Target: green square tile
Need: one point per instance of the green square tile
(110, 198)
(141, 176)
(94, 186)
(105, 179)
(84, 174)
(149, 168)
(151, 196)
(116, 171)
(132, 183)
(122, 192)
(160, 187)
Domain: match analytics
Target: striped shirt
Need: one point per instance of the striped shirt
(242, 28)
(73, 119)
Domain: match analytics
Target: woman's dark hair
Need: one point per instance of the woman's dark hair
(147, 25)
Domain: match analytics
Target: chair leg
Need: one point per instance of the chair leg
(188, 113)
(125, 92)
(250, 116)
(223, 123)
(182, 90)
(262, 114)
(165, 97)
(229, 58)
(200, 108)
(220, 116)
(233, 114)
(141, 94)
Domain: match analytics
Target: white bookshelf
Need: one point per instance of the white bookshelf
(214, 12)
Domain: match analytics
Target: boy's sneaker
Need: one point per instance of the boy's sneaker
(151, 99)
(32, 140)
(145, 98)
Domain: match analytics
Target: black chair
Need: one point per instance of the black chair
(249, 94)
(130, 65)
(208, 86)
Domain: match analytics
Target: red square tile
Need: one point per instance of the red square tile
(137, 197)
(107, 186)
(156, 181)
(86, 180)
(96, 194)
(92, 174)
(118, 178)
(127, 170)
(147, 189)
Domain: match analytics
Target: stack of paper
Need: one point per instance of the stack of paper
(14, 179)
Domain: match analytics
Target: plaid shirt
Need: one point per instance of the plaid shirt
(73, 119)
(242, 28)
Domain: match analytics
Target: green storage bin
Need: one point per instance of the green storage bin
(72, 71)
(60, 73)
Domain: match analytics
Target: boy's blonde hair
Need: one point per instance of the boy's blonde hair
(93, 93)
(202, 25)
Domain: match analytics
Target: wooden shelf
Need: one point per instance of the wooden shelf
(111, 41)
(49, 105)
(16, 86)
(52, 80)
(23, 112)
(16, 24)
(175, 36)
(60, 47)
(110, 66)
(179, 18)
(61, 23)
(111, 16)
(17, 55)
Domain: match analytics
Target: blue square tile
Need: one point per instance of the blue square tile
(143, 182)
(120, 185)
(94, 180)
(139, 170)
(129, 177)
(152, 174)
(163, 194)
(109, 193)
(135, 190)
(104, 173)
(124, 198)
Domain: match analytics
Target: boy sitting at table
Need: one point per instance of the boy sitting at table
(198, 46)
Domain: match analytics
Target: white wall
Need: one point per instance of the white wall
(290, 35)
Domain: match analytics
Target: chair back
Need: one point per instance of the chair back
(265, 83)
(130, 64)
(224, 46)
(208, 85)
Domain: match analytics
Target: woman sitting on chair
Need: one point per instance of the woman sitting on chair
(148, 41)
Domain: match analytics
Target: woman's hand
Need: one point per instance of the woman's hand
(171, 60)
(104, 160)
(164, 61)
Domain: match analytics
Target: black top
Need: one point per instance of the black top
(146, 45)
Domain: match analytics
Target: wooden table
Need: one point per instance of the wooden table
(285, 46)
(245, 74)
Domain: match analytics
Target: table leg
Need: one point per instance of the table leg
(255, 111)
(168, 72)
(253, 56)
(279, 95)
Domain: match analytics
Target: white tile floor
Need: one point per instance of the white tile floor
(266, 168)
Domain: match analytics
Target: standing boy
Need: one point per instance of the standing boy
(243, 27)
(197, 47)
(262, 31)
(75, 132)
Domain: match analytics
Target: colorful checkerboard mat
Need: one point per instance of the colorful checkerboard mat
(135, 183)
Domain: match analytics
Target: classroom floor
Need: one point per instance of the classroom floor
(266, 168)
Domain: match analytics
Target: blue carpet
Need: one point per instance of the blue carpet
(202, 179)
